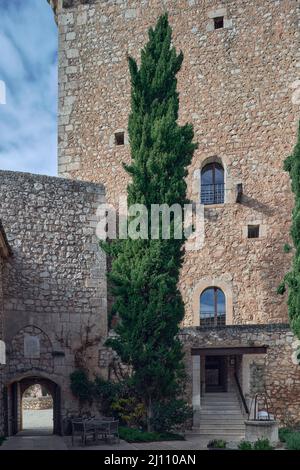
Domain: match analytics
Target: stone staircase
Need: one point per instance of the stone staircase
(221, 417)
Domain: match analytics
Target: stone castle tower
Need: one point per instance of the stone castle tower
(236, 88)
(241, 63)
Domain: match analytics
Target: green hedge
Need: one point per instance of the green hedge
(2, 439)
(136, 435)
(293, 441)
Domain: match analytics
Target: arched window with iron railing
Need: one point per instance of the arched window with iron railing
(212, 307)
(212, 184)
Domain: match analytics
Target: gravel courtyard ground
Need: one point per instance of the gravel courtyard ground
(37, 435)
(38, 420)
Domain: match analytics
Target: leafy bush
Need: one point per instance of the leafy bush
(167, 415)
(293, 441)
(217, 444)
(136, 435)
(130, 411)
(2, 439)
(121, 400)
(262, 444)
(283, 433)
(106, 393)
(245, 445)
(81, 386)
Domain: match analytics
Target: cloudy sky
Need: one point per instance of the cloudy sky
(28, 66)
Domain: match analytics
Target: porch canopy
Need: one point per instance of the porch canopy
(230, 351)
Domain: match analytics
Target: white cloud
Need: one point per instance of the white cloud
(28, 129)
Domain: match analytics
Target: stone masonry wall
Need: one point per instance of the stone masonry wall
(1, 298)
(237, 87)
(1, 338)
(55, 280)
(279, 373)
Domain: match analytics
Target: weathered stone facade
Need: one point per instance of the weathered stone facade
(1, 345)
(4, 253)
(54, 285)
(236, 87)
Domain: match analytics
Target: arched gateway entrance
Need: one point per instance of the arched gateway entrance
(14, 393)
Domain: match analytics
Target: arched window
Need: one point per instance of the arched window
(212, 307)
(212, 184)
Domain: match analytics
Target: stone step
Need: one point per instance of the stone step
(225, 420)
(228, 436)
(218, 405)
(218, 434)
(221, 394)
(233, 400)
(223, 427)
(220, 413)
(220, 410)
(220, 402)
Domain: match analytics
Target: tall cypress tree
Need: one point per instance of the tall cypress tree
(144, 274)
(292, 279)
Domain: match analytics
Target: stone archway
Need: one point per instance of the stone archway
(14, 393)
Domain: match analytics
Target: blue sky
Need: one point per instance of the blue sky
(28, 66)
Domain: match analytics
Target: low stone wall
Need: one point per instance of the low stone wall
(38, 403)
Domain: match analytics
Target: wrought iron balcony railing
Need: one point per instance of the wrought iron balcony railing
(212, 193)
(212, 319)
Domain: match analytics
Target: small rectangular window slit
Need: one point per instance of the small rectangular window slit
(119, 138)
(219, 22)
(253, 231)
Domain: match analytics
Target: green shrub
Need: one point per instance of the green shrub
(106, 393)
(283, 433)
(167, 415)
(287, 248)
(293, 441)
(130, 411)
(2, 439)
(137, 435)
(81, 386)
(262, 444)
(217, 444)
(120, 400)
(245, 445)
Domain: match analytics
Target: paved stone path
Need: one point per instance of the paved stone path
(37, 435)
(23, 441)
(191, 443)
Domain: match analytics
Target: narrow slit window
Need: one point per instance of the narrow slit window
(219, 22)
(253, 231)
(119, 138)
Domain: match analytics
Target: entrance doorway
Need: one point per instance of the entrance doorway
(20, 414)
(215, 374)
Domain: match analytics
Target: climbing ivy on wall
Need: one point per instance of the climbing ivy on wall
(292, 279)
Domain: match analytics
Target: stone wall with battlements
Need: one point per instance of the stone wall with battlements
(237, 87)
(54, 284)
